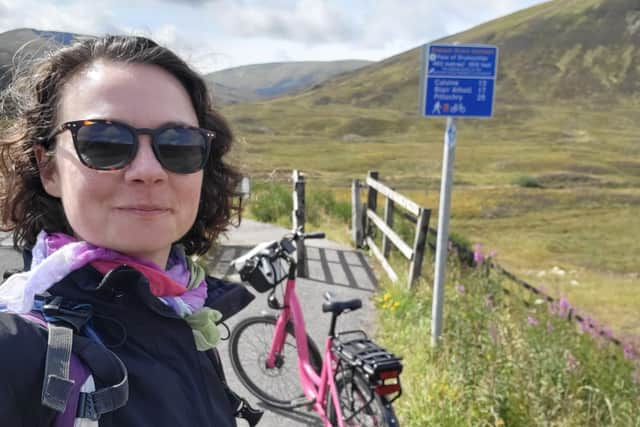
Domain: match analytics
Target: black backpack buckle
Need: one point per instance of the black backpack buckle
(251, 415)
(57, 310)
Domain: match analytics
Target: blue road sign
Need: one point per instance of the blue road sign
(459, 80)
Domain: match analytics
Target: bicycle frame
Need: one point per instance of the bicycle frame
(314, 386)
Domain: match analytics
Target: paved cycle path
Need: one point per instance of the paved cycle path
(331, 267)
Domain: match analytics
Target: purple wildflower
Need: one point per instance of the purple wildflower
(629, 354)
(460, 288)
(590, 326)
(564, 306)
(532, 321)
(587, 325)
(478, 255)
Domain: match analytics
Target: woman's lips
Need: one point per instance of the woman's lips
(144, 210)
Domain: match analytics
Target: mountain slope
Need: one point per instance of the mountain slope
(262, 81)
(560, 51)
(567, 119)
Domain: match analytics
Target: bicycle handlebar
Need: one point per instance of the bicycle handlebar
(269, 249)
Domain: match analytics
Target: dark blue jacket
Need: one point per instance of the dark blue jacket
(171, 383)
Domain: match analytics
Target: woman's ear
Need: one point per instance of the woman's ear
(48, 172)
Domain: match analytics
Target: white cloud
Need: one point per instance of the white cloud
(215, 34)
(73, 17)
(305, 21)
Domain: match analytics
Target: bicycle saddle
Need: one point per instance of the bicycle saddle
(331, 306)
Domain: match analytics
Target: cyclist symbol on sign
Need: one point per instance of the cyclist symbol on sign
(458, 108)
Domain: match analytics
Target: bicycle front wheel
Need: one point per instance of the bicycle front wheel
(359, 404)
(249, 347)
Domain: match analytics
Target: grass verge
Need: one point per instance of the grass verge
(503, 363)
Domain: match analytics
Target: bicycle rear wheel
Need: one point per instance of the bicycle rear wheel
(249, 347)
(360, 405)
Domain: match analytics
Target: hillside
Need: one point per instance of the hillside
(233, 85)
(553, 179)
(569, 71)
(560, 51)
(263, 81)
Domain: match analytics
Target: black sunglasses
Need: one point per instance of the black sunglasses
(110, 145)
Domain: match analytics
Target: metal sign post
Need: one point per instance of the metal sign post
(448, 158)
(457, 81)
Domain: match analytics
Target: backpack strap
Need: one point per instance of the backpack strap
(62, 320)
(242, 408)
(57, 385)
(93, 405)
(79, 373)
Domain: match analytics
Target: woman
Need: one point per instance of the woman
(112, 178)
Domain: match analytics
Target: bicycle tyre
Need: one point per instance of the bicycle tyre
(249, 346)
(354, 392)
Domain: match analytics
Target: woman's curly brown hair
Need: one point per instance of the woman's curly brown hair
(30, 104)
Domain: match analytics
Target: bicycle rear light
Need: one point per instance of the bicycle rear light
(381, 368)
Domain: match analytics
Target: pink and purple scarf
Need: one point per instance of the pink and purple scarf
(181, 286)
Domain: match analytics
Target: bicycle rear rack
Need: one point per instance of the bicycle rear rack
(380, 367)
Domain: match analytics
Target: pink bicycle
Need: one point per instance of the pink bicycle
(354, 383)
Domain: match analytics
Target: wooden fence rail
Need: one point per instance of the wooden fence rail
(365, 217)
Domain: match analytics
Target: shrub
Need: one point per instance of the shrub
(322, 203)
(271, 202)
(527, 182)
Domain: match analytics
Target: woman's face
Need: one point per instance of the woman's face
(142, 209)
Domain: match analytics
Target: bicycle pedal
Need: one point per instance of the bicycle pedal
(302, 401)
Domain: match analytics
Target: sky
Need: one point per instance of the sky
(218, 34)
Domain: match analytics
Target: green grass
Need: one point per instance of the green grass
(506, 357)
(590, 232)
(501, 363)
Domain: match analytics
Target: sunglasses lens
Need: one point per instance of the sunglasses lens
(182, 150)
(105, 145)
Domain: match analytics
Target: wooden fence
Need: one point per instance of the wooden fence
(298, 219)
(365, 217)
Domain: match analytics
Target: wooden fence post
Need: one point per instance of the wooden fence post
(356, 214)
(372, 203)
(298, 220)
(388, 219)
(419, 244)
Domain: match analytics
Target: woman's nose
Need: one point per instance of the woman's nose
(145, 167)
